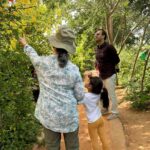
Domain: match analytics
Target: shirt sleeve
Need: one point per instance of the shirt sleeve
(84, 100)
(79, 88)
(34, 57)
(113, 53)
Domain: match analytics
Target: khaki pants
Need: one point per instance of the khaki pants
(110, 84)
(52, 140)
(97, 129)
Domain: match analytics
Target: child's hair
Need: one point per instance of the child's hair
(96, 84)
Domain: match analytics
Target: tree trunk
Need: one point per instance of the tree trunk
(144, 71)
(109, 28)
(109, 19)
(140, 46)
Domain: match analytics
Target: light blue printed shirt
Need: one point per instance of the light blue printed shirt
(60, 91)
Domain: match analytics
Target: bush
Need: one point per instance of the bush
(17, 123)
(140, 101)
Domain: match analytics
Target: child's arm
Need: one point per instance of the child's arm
(91, 73)
(83, 100)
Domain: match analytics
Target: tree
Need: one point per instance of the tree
(18, 125)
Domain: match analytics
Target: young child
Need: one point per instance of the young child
(96, 125)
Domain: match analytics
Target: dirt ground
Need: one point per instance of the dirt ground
(130, 132)
(136, 125)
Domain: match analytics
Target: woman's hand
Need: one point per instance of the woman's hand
(23, 41)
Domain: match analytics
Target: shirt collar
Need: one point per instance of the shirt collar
(101, 46)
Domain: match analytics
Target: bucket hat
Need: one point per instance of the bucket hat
(64, 38)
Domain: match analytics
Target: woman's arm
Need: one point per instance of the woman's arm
(79, 89)
(34, 57)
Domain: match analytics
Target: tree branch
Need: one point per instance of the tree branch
(114, 41)
(140, 46)
(123, 43)
(114, 8)
(26, 7)
(105, 4)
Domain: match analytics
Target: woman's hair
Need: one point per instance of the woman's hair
(96, 84)
(63, 57)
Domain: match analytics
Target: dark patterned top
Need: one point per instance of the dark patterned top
(106, 60)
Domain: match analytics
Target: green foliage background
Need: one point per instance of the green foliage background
(18, 127)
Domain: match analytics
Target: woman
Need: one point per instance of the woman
(61, 88)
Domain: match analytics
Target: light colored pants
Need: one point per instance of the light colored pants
(97, 129)
(110, 84)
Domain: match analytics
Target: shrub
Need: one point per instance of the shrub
(17, 123)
